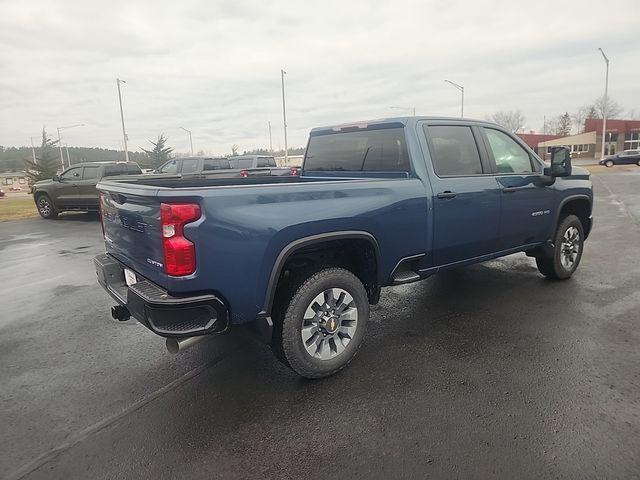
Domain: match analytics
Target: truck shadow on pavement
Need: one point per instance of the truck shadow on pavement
(439, 342)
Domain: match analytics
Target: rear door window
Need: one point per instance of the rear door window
(90, 172)
(209, 164)
(241, 162)
(454, 151)
(190, 165)
(368, 150)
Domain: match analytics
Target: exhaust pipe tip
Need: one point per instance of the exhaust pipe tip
(120, 313)
(178, 345)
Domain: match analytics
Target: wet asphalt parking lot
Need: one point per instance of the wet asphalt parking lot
(485, 372)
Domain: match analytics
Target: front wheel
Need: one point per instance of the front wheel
(323, 324)
(609, 163)
(568, 244)
(46, 209)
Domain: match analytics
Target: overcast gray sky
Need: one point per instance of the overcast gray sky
(214, 66)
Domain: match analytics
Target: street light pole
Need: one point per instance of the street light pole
(461, 88)
(284, 118)
(124, 133)
(270, 141)
(60, 140)
(604, 106)
(190, 139)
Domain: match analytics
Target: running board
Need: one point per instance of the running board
(401, 278)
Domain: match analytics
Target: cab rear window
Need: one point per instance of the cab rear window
(382, 150)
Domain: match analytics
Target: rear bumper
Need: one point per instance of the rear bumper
(155, 308)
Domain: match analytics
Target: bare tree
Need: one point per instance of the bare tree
(614, 109)
(564, 124)
(550, 126)
(513, 120)
(582, 114)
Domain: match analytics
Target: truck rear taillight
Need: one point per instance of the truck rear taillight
(100, 208)
(294, 171)
(179, 251)
(244, 173)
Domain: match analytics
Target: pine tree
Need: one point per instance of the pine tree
(160, 153)
(46, 164)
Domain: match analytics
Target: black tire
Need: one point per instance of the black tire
(289, 321)
(638, 163)
(609, 163)
(45, 207)
(559, 265)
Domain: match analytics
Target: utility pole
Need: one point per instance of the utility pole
(33, 152)
(190, 139)
(284, 118)
(60, 148)
(605, 103)
(461, 88)
(60, 140)
(66, 147)
(124, 132)
(270, 141)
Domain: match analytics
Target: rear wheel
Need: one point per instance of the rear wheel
(568, 244)
(45, 206)
(322, 326)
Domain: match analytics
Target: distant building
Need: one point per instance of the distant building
(534, 139)
(582, 145)
(14, 179)
(621, 135)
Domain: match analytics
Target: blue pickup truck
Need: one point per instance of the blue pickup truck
(301, 259)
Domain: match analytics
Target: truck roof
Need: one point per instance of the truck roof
(390, 122)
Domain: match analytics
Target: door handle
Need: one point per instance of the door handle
(509, 189)
(446, 194)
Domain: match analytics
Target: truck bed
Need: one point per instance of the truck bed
(174, 182)
(247, 222)
(213, 181)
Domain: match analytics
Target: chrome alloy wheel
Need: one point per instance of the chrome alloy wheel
(570, 247)
(44, 206)
(329, 324)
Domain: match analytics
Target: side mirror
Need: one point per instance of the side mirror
(560, 162)
(56, 178)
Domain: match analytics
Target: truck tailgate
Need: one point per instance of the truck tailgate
(132, 231)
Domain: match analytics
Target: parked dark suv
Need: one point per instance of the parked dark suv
(75, 188)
